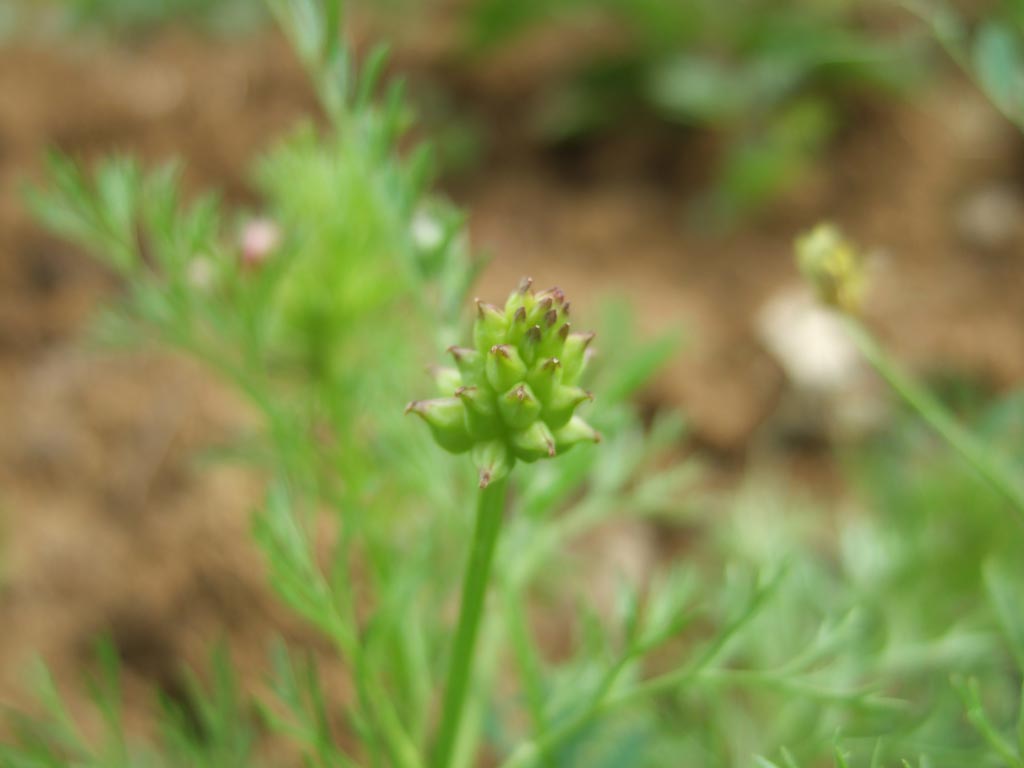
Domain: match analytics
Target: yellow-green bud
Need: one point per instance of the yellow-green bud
(833, 267)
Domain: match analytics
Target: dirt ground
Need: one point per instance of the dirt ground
(108, 523)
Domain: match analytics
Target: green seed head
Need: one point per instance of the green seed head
(514, 394)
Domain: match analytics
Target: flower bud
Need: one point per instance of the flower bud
(536, 309)
(447, 421)
(517, 390)
(534, 442)
(562, 404)
(519, 298)
(492, 460)
(553, 343)
(259, 239)
(447, 379)
(530, 344)
(833, 267)
(519, 407)
(504, 367)
(574, 353)
(490, 328)
(576, 431)
(545, 376)
(481, 417)
(467, 361)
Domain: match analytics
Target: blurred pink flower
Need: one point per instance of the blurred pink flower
(259, 239)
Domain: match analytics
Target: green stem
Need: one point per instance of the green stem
(489, 512)
(987, 465)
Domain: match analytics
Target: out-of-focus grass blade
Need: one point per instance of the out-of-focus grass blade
(1000, 65)
(1008, 603)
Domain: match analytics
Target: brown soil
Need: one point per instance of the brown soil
(108, 523)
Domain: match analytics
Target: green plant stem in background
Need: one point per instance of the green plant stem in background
(984, 462)
(489, 513)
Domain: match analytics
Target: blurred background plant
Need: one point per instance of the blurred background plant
(133, 17)
(773, 82)
(986, 42)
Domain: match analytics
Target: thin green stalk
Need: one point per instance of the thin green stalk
(489, 513)
(987, 465)
(977, 716)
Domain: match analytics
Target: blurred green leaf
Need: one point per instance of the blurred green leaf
(999, 61)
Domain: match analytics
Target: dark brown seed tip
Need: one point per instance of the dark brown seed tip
(545, 304)
(520, 315)
(525, 284)
(520, 393)
(552, 365)
(534, 333)
(484, 308)
(485, 478)
(563, 332)
(565, 307)
(550, 317)
(500, 349)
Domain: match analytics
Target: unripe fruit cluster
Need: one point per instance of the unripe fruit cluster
(514, 394)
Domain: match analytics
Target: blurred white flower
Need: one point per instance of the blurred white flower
(427, 231)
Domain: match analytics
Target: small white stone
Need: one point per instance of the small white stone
(832, 391)
(808, 341)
